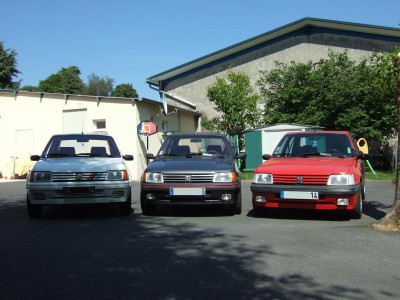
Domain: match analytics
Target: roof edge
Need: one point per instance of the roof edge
(269, 35)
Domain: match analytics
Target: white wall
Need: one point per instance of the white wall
(28, 120)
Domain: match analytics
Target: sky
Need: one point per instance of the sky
(132, 40)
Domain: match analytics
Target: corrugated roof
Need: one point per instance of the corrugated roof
(278, 32)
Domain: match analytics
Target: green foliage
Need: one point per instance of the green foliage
(99, 86)
(124, 90)
(234, 99)
(66, 81)
(8, 68)
(385, 64)
(336, 93)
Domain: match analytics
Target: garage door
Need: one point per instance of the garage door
(75, 121)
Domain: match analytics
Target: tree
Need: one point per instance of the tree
(100, 86)
(124, 90)
(30, 88)
(66, 81)
(8, 68)
(390, 69)
(336, 93)
(233, 97)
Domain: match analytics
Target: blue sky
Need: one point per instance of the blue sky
(130, 41)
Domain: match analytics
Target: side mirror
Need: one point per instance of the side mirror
(266, 156)
(363, 156)
(240, 155)
(35, 157)
(150, 156)
(127, 157)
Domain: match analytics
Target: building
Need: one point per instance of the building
(261, 141)
(305, 40)
(28, 120)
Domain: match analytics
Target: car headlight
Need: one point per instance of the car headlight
(225, 177)
(265, 178)
(153, 177)
(117, 175)
(40, 176)
(341, 179)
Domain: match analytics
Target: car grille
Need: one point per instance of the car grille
(39, 196)
(305, 179)
(193, 178)
(118, 194)
(78, 176)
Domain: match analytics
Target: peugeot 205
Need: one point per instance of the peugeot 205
(79, 169)
(192, 169)
(321, 170)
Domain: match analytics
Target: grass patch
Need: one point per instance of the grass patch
(390, 176)
(247, 176)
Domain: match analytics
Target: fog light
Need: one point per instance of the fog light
(343, 201)
(260, 199)
(226, 197)
(150, 196)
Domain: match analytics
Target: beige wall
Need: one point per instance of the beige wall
(193, 86)
(28, 120)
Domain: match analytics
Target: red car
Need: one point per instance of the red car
(321, 170)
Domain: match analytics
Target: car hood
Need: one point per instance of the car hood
(193, 164)
(307, 166)
(79, 164)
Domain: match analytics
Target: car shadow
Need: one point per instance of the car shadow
(81, 211)
(375, 210)
(191, 211)
(301, 214)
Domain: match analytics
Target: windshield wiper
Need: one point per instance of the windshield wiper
(172, 154)
(56, 154)
(213, 155)
(310, 154)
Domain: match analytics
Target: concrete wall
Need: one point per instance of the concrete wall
(28, 120)
(300, 48)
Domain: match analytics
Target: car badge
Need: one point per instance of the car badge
(299, 180)
(188, 178)
(79, 176)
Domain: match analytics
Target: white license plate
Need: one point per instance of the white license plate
(299, 195)
(187, 191)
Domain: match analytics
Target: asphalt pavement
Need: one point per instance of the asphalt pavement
(196, 253)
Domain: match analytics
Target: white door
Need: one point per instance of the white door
(24, 143)
(74, 121)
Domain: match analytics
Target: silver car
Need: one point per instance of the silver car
(79, 169)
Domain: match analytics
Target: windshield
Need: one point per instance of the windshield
(314, 144)
(196, 145)
(81, 145)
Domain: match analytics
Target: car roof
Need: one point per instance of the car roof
(198, 134)
(319, 132)
(75, 135)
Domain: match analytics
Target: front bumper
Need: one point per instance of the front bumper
(51, 193)
(327, 200)
(213, 194)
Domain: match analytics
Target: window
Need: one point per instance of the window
(164, 126)
(99, 125)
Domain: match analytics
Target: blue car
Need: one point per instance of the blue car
(192, 169)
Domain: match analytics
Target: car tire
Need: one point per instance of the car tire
(363, 192)
(148, 209)
(260, 211)
(357, 212)
(236, 208)
(126, 207)
(34, 210)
